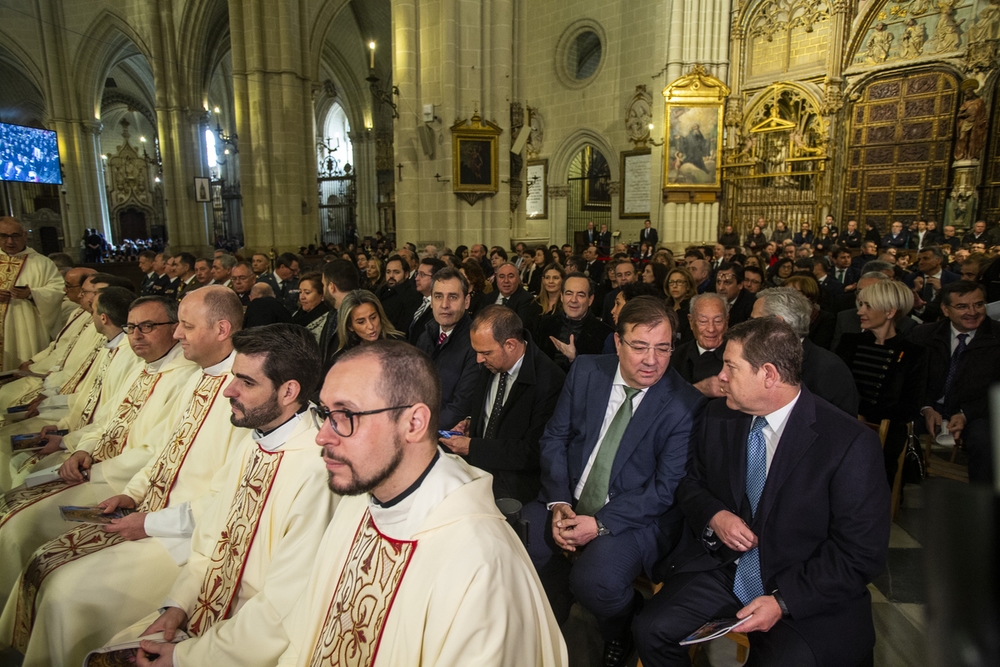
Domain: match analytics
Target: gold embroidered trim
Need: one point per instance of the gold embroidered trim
(363, 598)
(10, 269)
(17, 499)
(72, 384)
(223, 577)
(168, 464)
(95, 391)
(113, 440)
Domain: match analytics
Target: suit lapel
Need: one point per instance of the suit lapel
(598, 395)
(735, 432)
(798, 436)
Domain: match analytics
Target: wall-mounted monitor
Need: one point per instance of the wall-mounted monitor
(29, 155)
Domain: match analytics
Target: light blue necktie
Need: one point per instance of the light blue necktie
(748, 585)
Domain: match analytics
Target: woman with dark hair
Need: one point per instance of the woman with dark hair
(656, 275)
(550, 296)
(755, 240)
(781, 271)
(361, 321)
(824, 241)
(680, 288)
(886, 366)
(313, 309)
(462, 252)
(478, 285)
(557, 256)
(531, 275)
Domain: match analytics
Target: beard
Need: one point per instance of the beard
(357, 485)
(257, 417)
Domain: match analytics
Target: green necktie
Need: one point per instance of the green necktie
(595, 490)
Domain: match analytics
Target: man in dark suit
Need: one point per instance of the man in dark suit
(624, 273)
(514, 397)
(977, 234)
(823, 372)
(786, 518)
(604, 240)
(608, 478)
(843, 272)
(897, 237)
(446, 341)
(963, 361)
(396, 293)
(340, 277)
(729, 284)
(869, 252)
(699, 361)
(590, 235)
(511, 294)
(565, 335)
(147, 260)
(649, 235)
(930, 268)
(423, 280)
(283, 281)
(804, 235)
(595, 267)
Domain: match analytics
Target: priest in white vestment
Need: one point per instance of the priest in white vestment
(252, 551)
(31, 293)
(130, 564)
(126, 432)
(112, 365)
(419, 567)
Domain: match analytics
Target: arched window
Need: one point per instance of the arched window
(335, 141)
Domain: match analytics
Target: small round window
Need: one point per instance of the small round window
(584, 55)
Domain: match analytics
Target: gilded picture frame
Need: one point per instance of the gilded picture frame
(475, 147)
(694, 109)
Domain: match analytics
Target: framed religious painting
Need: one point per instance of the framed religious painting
(596, 193)
(692, 142)
(475, 156)
(202, 189)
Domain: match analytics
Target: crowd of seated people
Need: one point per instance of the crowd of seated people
(696, 418)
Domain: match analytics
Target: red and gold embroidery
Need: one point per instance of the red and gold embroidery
(223, 577)
(73, 383)
(363, 598)
(95, 390)
(17, 499)
(168, 464)
(10, 269)
(113, 440)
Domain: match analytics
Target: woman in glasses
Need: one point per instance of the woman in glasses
(360, 321)
(680, 288)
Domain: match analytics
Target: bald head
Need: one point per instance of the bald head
(219, 304)
(261, 290)
(208, 318)
(73, 282)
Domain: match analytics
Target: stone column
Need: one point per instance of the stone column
(86, 198)
(366, 182)
(274, 120)
(457, 56)
(558, 194)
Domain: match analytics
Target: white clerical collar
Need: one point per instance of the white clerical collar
(404, 515)
(276, 438)
(113, 343)
(157, 366)
(222, 367)
(776, 420)
(703, 350)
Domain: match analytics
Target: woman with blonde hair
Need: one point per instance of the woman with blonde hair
(374, 274)
(550, 296)
(360, 321)
(886, 366)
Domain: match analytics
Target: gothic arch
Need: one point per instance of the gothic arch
(322, 22)
(350, 91)
(572, 145)
(105, 40)
(12, 54)
(20, 90)
(203, 39)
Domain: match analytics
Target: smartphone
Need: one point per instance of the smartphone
(448, 434)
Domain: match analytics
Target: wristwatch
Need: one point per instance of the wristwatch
(781, 603)
(601, 528)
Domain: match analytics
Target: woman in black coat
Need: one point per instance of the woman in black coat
(887, 369)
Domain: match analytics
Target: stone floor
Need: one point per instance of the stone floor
(897, 605)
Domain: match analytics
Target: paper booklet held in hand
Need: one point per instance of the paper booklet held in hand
(123, 655)
(91, 514)
(714, 629)
(29, 442)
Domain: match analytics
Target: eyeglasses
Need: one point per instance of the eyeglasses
(963, 307)
(68, 286)
(676, 283)
(726, 280)
(342, 421)
(11, 237)
(143, 327)
(642, 348)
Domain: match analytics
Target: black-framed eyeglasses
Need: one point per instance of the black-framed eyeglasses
(342, 421)
(11, 237)
(661, 350)
(143, 327)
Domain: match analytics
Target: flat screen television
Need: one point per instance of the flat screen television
(29, 155)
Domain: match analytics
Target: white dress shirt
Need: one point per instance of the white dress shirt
(491, 395)
(776, 422)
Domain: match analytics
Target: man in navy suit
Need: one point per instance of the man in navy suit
(649, 235)
(787, 518)
(930, 267)
(608, 478)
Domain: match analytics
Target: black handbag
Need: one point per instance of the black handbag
(913, 460)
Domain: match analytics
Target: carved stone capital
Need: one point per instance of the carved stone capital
(200, 117)
(360, 136)
(613, 188)
(94, 127)
(559, 191)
